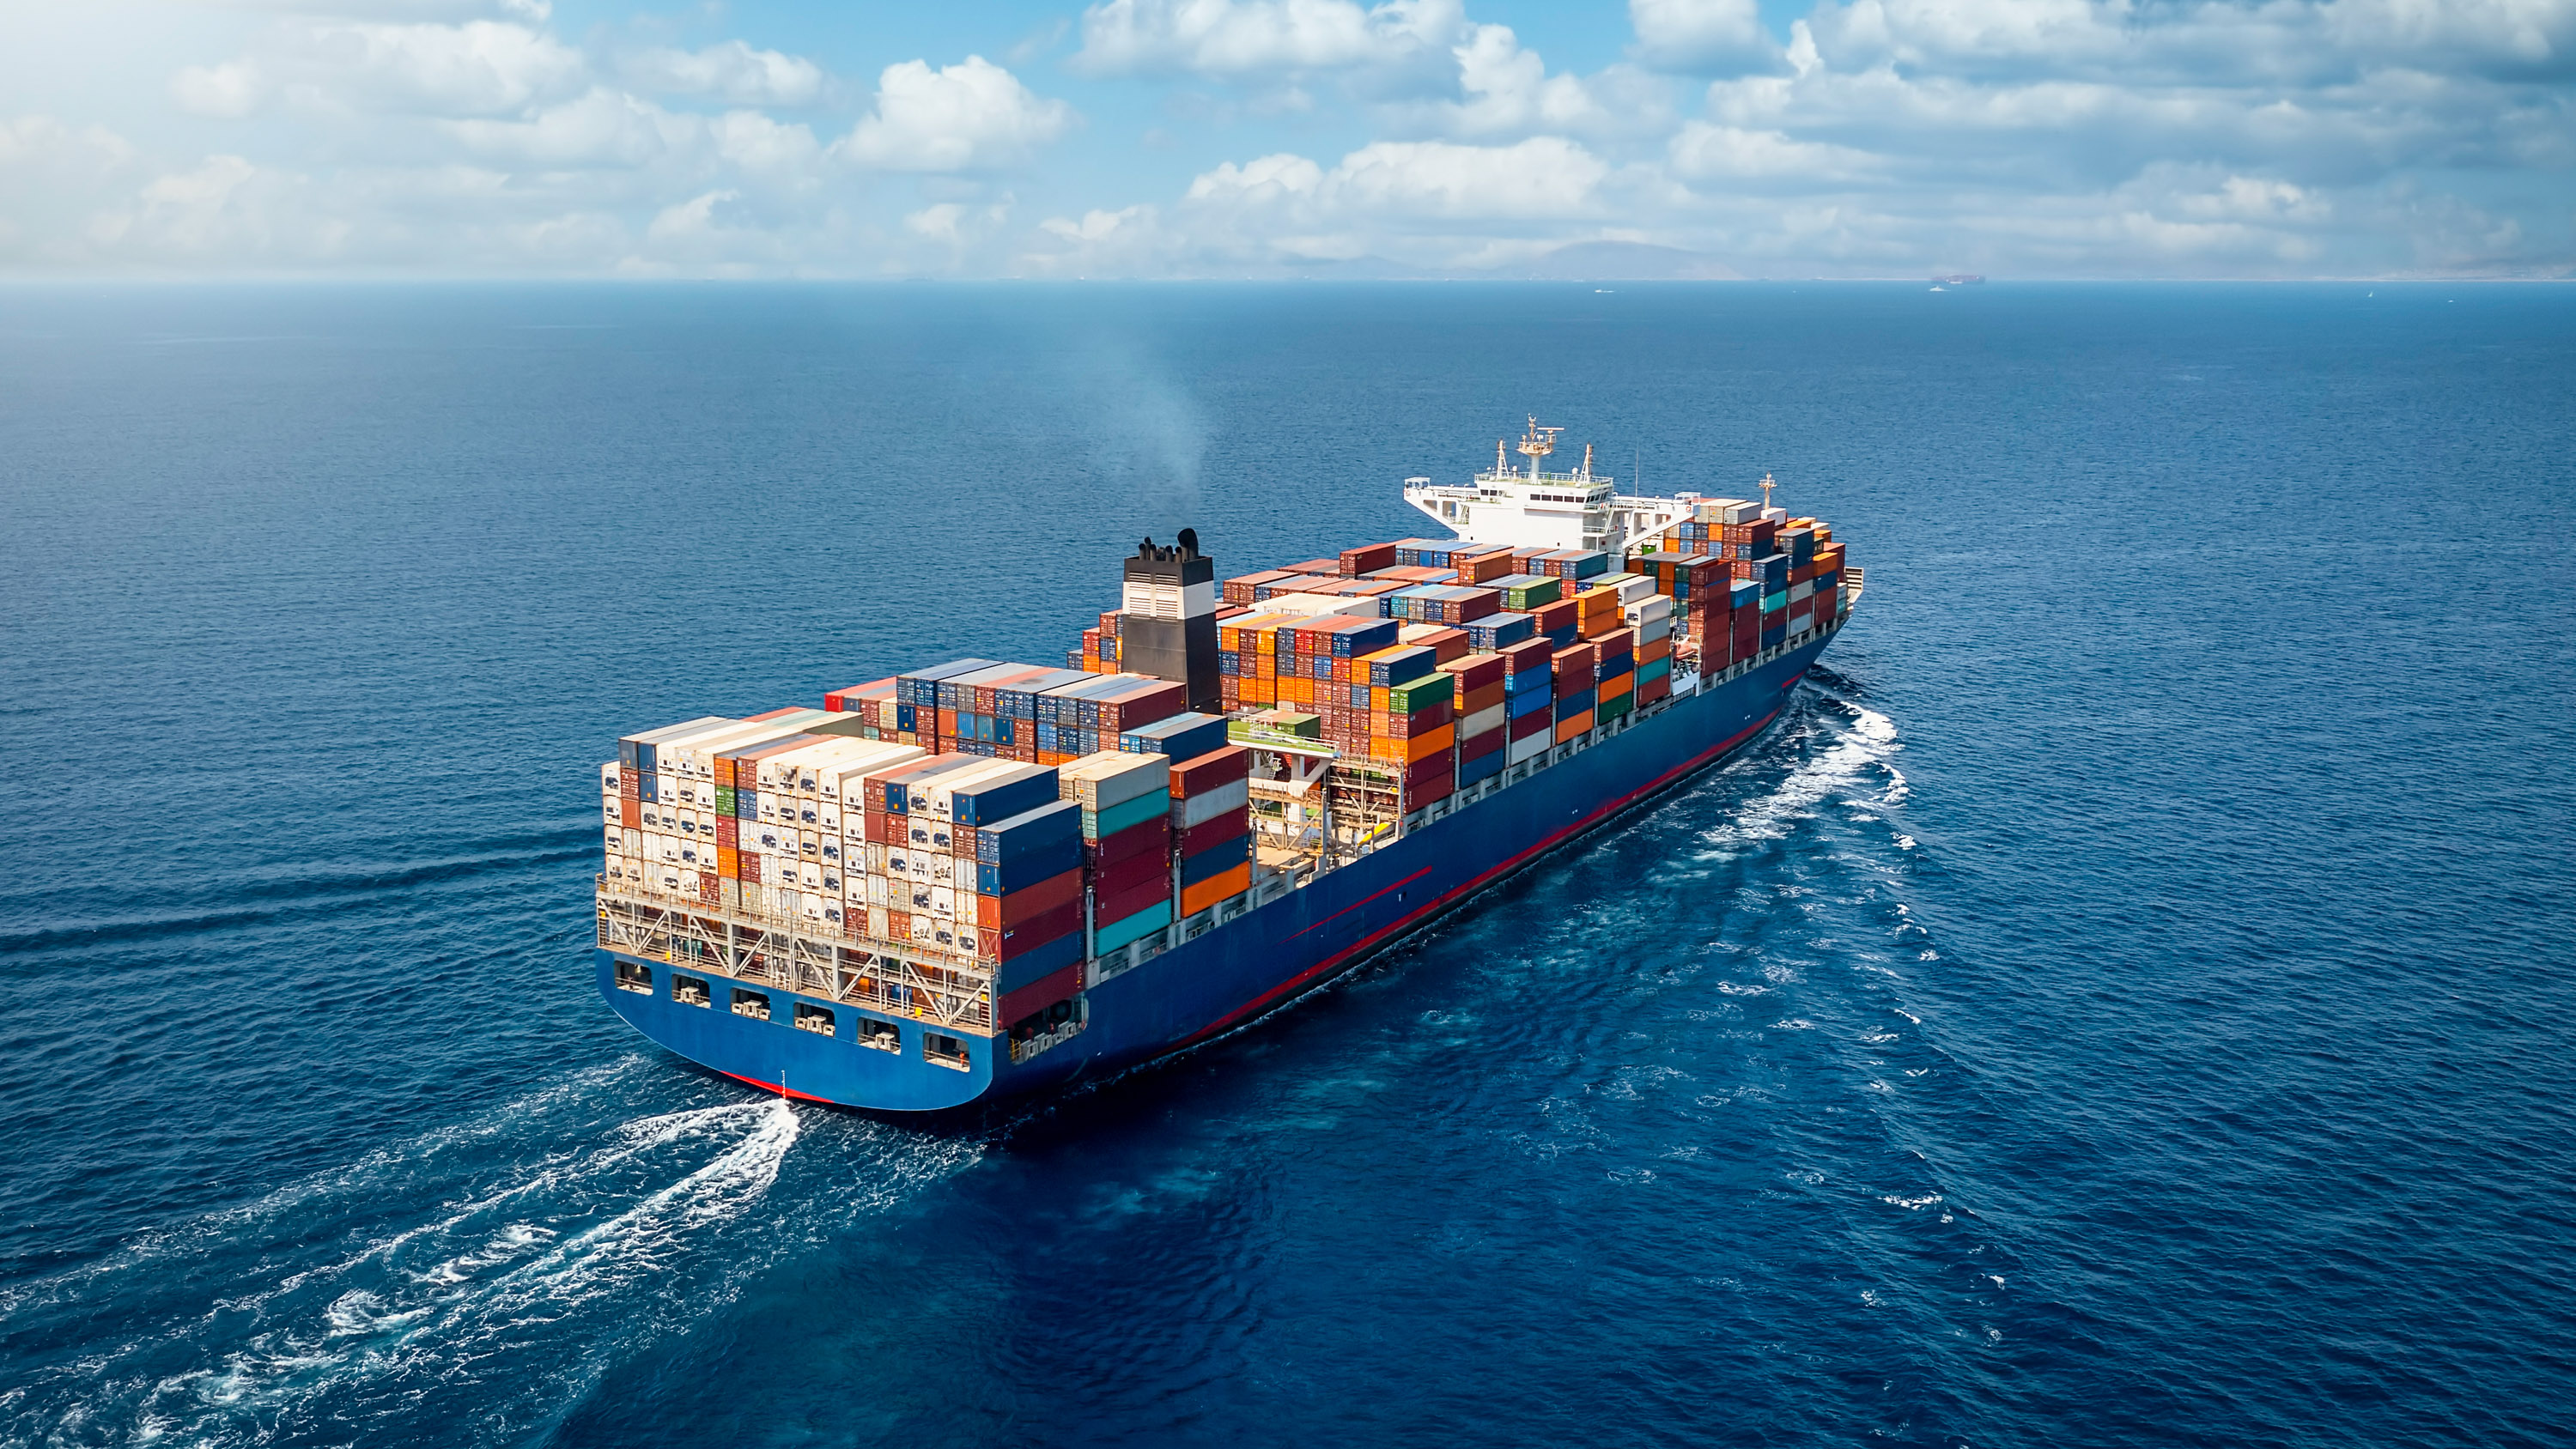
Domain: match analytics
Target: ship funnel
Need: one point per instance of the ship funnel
(1167, 619)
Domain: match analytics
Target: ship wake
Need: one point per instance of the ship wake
(481, 1319)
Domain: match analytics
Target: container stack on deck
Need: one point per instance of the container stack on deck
(1126, 805)
(1211, 825)
(1027, 817)
(1484, 717)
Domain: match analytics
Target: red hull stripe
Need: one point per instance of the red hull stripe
(782, 1091)
(1300, 981)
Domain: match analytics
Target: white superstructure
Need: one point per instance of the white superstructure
(1531, 508)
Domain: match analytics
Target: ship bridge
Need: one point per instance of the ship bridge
(1530, 507)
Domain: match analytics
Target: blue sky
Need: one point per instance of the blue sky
(1267, 138)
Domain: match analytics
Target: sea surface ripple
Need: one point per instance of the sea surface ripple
(2126, 1000)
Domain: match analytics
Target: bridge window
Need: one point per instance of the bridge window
(634, 976)
(944, 1049)
(815, 1019)
(689, 991)
(753, 1004)
(885, 1036)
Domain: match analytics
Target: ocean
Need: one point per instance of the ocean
(2125, 1000)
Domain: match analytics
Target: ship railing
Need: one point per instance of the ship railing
(799, 955)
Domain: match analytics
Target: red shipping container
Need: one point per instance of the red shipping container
(728, 830)
(1208, 834)
(1529, 656)
(1038, 995)
(1435, 787)
(1117, 877)
(1536, 722)
(1357, 561)
(1573, 668)
(1475, 671)
(1112, 909)
(1476, 747)
(1206, 772)
(1010, 943)
(1560, 615)
(1446, 644)
(630, 812)
(1150, 837)
(1029, 902)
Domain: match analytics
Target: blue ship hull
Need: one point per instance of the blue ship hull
(1254, 964)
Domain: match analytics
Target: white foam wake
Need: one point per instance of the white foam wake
(1859, 757)
(492, 1313)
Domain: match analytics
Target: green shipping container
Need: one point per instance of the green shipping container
(1420, 693)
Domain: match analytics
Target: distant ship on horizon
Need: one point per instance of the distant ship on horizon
(1958, 279)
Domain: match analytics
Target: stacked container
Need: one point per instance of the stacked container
(1496, 632)
(1211, 826)
(1574, 668)
(1616, 674)
(1409, 705)
(1358, 561)
(1596, 612)
(1444, 643)
(1484, 716)
(1529, 697)
(1524, 592)
(1569, 564)
(1652, 619)
(1126, 805)
(1443, 603)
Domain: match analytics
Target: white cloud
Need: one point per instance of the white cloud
(731, 72)
(972, 116)
(1702, 37)
(225, 92)
(480, 68)
(1706, 153)
(1261, 38)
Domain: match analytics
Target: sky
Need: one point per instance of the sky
(1288, 138)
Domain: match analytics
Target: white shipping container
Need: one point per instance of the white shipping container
(877, 921)
(1491, 717)
(1653, 606)
(1530, 748)
(876, 887)
(1202, 808)
(608, 779)
(1803, 589)
(1634, 588)
(1654, 629)
(943, 902)
(810, 875)
(1316, 605)
(827, 816)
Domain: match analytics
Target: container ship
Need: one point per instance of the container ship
(982, 878)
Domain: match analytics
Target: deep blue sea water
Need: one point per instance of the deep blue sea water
(2129, 1000)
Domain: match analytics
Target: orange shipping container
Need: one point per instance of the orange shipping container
(1568, 729)
(1215, 888)
(729, 862)
(1617, 685)
(1413, 751)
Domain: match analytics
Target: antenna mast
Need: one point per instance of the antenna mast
(1767, 486)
